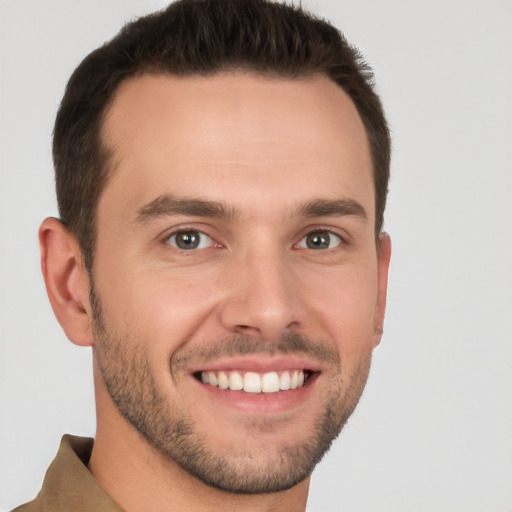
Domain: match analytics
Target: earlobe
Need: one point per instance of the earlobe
(383, 259)
(66, 280)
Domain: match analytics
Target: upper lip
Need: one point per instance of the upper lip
(258, 364)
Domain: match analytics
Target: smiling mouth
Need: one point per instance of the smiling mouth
(253, 382)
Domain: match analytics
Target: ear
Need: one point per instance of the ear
(383, 258)
(66, 280)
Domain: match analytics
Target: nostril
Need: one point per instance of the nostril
(246, 329)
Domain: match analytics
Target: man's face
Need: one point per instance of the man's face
(237, 288)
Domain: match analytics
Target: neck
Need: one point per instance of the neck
(139, 478)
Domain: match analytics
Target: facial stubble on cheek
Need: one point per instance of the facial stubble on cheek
(129, 379)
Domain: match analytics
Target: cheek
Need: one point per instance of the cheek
(344, 303)
(159, 307)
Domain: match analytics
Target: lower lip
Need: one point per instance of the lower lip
(260, 403)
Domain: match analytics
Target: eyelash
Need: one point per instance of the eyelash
(316, 231)
(189, 230)
(322, 231)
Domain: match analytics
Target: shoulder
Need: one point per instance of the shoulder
(32, 506)
(67, 480)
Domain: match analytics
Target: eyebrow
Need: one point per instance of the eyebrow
(168, 205)
(333, 208)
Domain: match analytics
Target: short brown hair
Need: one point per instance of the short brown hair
(201, 37)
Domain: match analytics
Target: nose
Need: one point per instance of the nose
(262, 297)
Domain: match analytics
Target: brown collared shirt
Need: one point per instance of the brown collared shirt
(68, 485)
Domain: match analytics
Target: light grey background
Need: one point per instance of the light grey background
(434, 429)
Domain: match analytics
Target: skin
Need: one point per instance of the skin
(263, 148)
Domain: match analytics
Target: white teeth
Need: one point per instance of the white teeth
(223, 380)
(284, 381)
(270, 383)
(236, 383)
(252, 382)
(294, 382)
(212, 379)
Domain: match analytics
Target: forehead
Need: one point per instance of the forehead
(233, 137)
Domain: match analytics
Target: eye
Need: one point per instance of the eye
(189, 240)
(320, 240)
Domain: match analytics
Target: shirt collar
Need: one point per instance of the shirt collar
(69, 485)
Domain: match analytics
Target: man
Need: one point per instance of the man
(221, 171)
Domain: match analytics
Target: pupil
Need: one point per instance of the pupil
(188, 240)
(318, 241)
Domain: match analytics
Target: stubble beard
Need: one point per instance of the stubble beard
(130, 382)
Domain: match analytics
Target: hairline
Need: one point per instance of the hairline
(109, 163)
